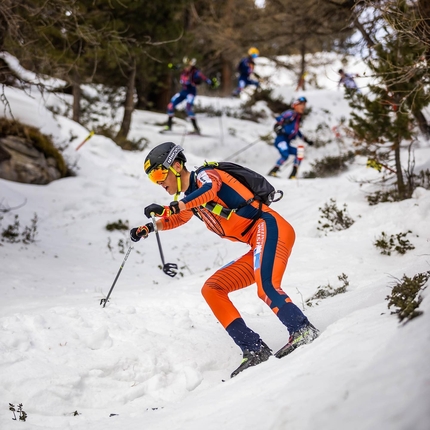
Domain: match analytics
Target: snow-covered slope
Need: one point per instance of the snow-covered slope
(155, 357)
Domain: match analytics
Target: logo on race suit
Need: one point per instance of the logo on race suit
(204, 178)
(261, 233)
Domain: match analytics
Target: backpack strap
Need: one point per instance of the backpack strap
(220, 210)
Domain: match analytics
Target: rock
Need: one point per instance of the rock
(20, 161)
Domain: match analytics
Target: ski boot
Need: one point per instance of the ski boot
(168, 126)
(195, 126)
(303, 336)
(293, 173)
(274, 172)
(252, 358)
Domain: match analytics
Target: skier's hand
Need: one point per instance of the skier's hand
(162, 211)
(143, 231)
(308, 141)
(173, 66)
(214, 83)
(278, 129)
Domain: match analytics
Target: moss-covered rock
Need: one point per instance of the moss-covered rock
(28, 156)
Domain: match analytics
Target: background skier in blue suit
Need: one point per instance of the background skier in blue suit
(191, 76)
(245, 69)
(287, 128)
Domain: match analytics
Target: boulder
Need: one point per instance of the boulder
(20, 161)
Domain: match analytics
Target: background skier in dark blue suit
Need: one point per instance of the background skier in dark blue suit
(287, 128)
(245, 69)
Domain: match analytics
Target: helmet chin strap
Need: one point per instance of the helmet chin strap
(178, 183)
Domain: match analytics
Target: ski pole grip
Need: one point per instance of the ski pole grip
(154, 222)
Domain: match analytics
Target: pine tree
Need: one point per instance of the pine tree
(384, 119)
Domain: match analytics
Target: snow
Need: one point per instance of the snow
(155, 357)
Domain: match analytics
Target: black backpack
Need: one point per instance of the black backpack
(263, 190)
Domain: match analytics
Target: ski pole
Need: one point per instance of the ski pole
(168, 268)
(104, 301)
(243, 149)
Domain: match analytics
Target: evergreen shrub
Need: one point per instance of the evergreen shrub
(406, 296)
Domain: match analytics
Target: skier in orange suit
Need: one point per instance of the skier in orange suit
(227, 207)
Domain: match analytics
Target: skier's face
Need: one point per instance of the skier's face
(300, 107)
(170, 183)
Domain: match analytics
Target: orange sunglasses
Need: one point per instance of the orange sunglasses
(159, 174)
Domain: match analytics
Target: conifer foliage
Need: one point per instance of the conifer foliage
(384, 120)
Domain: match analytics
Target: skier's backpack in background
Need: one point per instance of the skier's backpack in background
(263, 190)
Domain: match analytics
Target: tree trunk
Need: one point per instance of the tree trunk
(399, 173)
(301, 82)
(128, 104)
(142, 96)
(165, 94)
(4, 28)
(76, 92)
(226, 77)
(367, 38)
(422, 123)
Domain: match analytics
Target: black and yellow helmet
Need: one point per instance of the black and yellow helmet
(163, 155)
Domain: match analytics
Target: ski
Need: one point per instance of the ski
(191, 133)
(173, 133)
(187, 133)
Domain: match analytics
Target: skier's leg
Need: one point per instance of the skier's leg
(190, 111)
(175, 100)
(296, 164)
(241, 84)
(273, 243)
(234, 276)
(282, 146)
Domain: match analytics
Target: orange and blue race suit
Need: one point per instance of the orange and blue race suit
(211, 196)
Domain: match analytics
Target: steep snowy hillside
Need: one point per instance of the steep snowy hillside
(155, 357)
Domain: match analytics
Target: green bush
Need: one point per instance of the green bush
(12, 232)
(328, 291)
(396, 243)
(406, 296)
(333, 218)
(389, 196)
(274, 104)
(420, 180)
(330, 166)
(22, 415)
(117, 225)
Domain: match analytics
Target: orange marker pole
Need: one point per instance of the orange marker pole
(85, 140)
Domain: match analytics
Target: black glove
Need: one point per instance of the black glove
(278, 129)
(162, 211)
(309, 142)
(143, 231)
